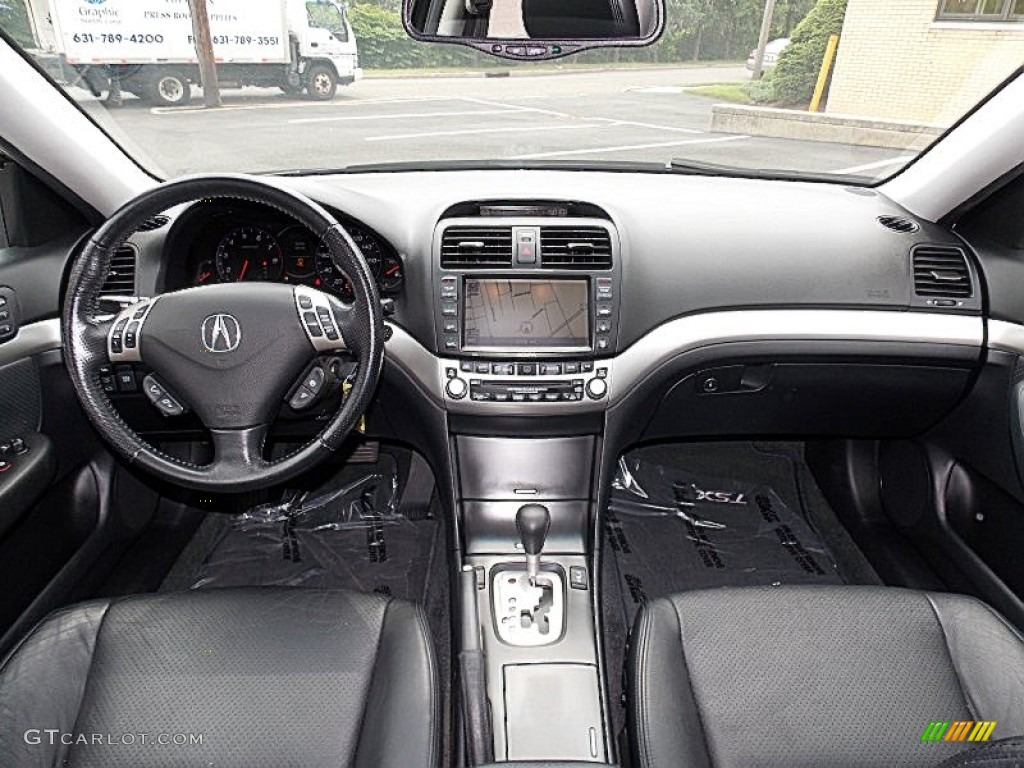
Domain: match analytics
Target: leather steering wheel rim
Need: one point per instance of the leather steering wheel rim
(238, 464)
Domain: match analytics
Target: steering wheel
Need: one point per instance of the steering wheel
(231, 351)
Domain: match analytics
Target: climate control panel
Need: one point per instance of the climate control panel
(525, 386)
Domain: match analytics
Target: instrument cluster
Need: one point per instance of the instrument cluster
(235, 248)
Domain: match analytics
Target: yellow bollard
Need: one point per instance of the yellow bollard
(826, 67)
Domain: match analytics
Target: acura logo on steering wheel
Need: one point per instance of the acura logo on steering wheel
(221, 333)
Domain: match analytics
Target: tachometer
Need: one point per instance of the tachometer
(249, 253)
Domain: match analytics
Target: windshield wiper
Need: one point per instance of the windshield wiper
(703, 168)
(399, 166)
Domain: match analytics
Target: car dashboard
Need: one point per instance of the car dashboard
(551, 301)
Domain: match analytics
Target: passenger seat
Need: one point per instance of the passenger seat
(778, 677)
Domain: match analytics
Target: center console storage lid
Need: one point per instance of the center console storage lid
(553, 710)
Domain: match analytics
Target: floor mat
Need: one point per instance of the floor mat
(698, 516)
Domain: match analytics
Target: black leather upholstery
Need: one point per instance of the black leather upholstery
(822, 676)
(267, 677)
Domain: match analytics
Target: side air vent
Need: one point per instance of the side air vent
(476, 247)
(154, 223)
(941, 271)
(121, 277)
(899, 224)
(575, 247)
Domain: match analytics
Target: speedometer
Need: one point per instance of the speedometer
(248, 253)
(335, 280)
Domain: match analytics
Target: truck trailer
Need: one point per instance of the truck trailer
(147, 47)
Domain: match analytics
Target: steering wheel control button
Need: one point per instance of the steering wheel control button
(597, 388)
(456, 388)
(314, 308)
(315, 380)
(302, 399)
(125, 339)
(131, 336)
(153, 389)
(125, 377)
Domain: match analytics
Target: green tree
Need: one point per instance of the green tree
(797, 71)
(14, 21)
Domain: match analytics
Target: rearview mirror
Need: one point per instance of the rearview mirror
(535, 29)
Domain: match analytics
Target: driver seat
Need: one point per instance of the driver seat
(260, 676)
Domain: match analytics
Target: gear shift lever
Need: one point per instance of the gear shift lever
(533, 522)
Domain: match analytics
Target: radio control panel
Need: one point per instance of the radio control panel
(525, 386)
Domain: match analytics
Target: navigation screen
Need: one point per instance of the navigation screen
(526, 313)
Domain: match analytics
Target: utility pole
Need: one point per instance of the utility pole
(762, 41)
(204, 52)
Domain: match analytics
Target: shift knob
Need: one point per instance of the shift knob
(533, 522)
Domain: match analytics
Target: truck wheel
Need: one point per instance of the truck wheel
(321, 83)
(168, 88)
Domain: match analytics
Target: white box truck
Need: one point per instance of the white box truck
(146, 47)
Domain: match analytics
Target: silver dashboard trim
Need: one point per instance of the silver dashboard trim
(418, 361)
(1004, 336)
(669, 340)
(685, 334)
(32, 339)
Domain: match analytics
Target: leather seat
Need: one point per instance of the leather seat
(262, 676)
(817, 676)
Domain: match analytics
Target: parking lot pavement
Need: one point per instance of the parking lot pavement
(622, 115)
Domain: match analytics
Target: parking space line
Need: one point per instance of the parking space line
(401, 116)
(627, 147)
(521, 108)
(873, 166)
(294, 104)
(475, 131)
(653, 126)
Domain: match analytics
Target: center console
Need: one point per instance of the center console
(526, 309)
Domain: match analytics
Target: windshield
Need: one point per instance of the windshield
(840, 89)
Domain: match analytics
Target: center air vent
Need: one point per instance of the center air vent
(476, 247)
(941, 272)
(899, 224)
(576, 247)
(121, 275)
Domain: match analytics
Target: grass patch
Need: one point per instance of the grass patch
(733, 92)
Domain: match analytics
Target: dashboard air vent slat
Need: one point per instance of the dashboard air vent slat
(476, 247)
(581, 247)
(121, 275)
(899, 224)
(156, 222)
(941, 271)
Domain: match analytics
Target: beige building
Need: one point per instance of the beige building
(924, 60)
